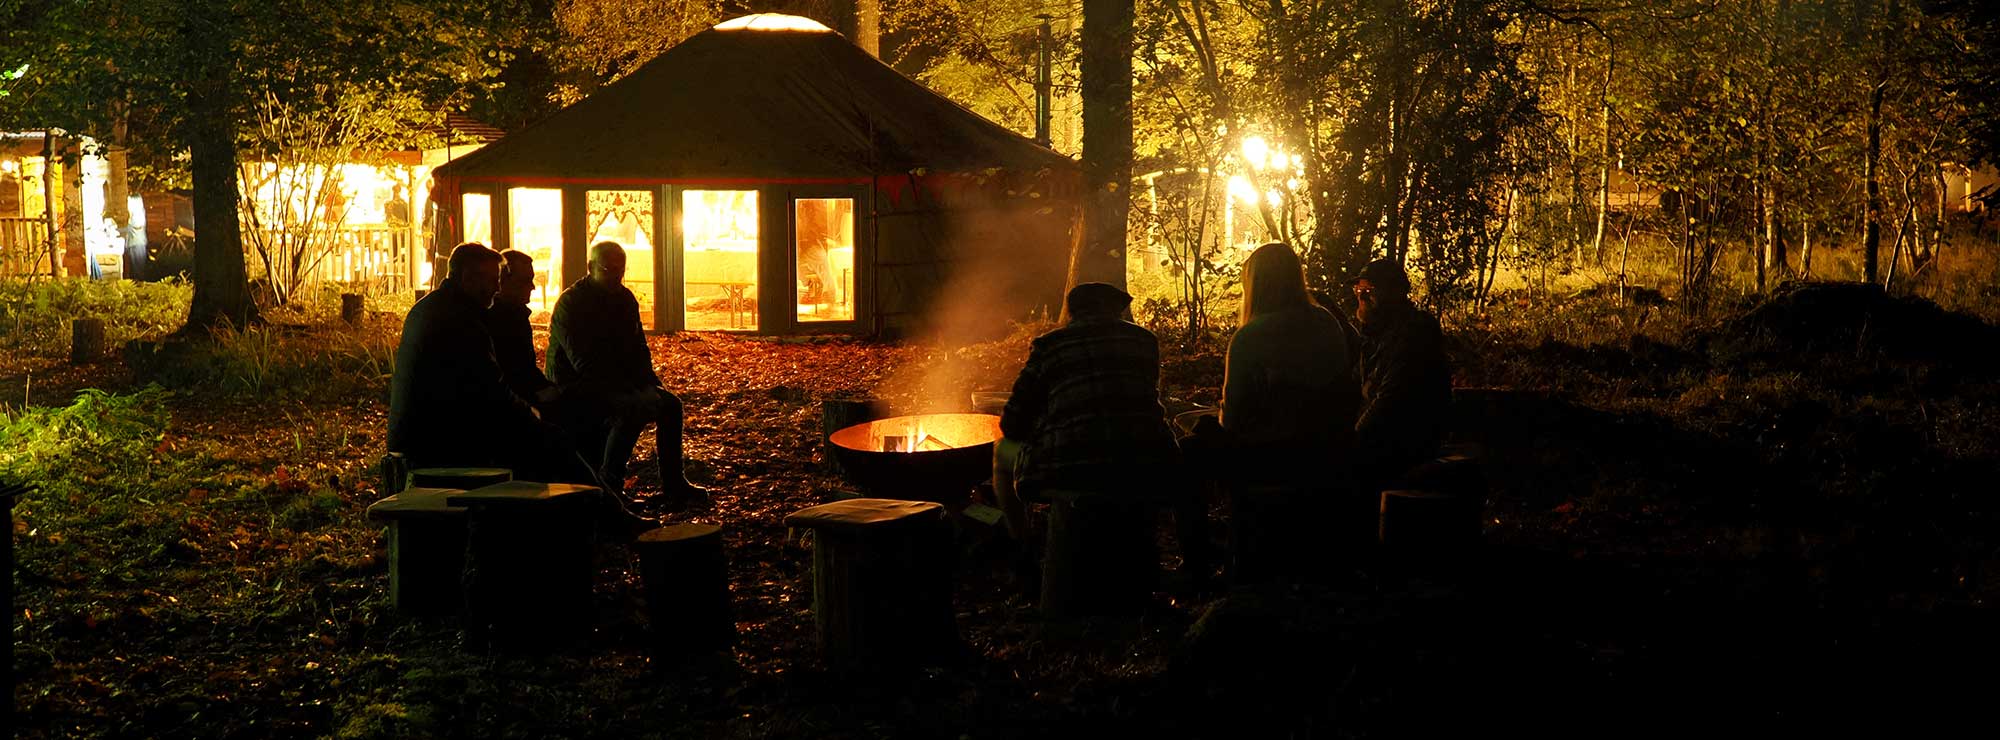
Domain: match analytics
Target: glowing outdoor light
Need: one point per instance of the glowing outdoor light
(1256, 151)
(9, 166)
(1240, 189)
(1274, 197)
(772, 22)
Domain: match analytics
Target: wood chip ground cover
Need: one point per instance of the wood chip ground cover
(244, 595)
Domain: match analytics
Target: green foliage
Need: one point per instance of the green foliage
(35, 315)
(80, 445)
(273, 362)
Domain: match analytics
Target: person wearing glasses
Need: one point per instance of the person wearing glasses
(1405, 377)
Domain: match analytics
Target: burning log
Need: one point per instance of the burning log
(881, 586)
(687, 589)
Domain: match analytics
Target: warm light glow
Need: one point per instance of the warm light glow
(823, 230)
(1240, 189)
(534, 225)
(476, 210)
(773, 22)
(1256, 151)
(1274, 197)
(626, 217)
(719, 258)
(9, 166)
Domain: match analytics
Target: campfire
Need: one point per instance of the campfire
(925, 456)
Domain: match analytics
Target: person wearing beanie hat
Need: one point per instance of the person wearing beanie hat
(1405, 377)
(1085, 410)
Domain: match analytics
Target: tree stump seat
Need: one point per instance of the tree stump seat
(881, 582)
(527, 562)
(686, 581)
(464, 479)
(86, 342)
(426, 550)
(1100, 559)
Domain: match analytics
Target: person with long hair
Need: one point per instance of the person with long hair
(1289, 388)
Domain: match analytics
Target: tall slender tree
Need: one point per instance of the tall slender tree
(1106, 83)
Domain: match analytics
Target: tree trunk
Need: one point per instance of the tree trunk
(1805, 249)
(1760, 256)
(1604, 162)
(117, 191)
(868, 26)
(221, 288)
(1871, 243)
(1106, 90)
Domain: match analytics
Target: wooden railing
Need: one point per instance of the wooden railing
(24, 248)
(375, 260)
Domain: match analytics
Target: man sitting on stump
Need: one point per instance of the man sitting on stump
(513, 335)
(449, 405)
(1085, 412)
(604, 372)
(1405, 377)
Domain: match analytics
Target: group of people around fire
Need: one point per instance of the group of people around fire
(1308, 398)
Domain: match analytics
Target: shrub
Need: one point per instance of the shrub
(35, 315)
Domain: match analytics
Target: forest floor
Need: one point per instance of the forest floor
(1781, 521)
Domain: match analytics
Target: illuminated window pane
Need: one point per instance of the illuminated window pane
(534, 223)
(824, 229)
(626, 217)
(476, 211)
(719, 258)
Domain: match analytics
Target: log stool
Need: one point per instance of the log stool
(464, 479)
(1292, 533)
(426, 550)
(528, 573)
(1100, 559)
(86, 340)
(1425, 526)
(881, 582)
(687, 589)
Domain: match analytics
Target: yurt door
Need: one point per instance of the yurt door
(826, 248)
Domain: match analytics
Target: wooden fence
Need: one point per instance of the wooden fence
(24, 248)
(373, 260)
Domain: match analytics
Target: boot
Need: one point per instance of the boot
(673, 481)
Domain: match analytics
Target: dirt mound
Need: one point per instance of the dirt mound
(1859, 320)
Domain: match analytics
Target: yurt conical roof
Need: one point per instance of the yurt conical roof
(758, 98)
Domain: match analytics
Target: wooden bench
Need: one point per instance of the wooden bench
(426, 550)
(528, 568)
(881, 582)
(1100, 559)
(686, 580)
(464, 479)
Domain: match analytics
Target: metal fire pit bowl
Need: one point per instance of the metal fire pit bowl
(954, 452)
